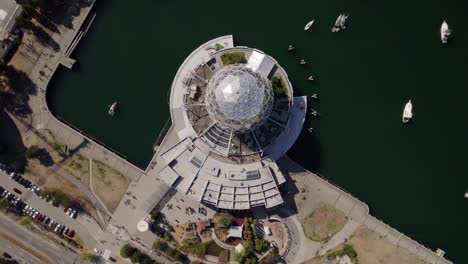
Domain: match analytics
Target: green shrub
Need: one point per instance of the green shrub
(224, 256)
(160, 245)
(58, 196)
(225, 221)
(198, 250)
(26, 220)
(137, 257)
(219, 46)
(32, 152)
(127, 251)
(279, 86)
(4, 203)
(233, 58)
(261, 245)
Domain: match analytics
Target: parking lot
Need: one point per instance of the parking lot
(28, 202)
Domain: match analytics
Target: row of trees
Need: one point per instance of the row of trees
(163, 247)
(135, 255)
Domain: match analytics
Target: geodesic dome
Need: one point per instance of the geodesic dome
(239, 98)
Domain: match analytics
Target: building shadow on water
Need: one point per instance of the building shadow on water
(12, 148)
(307, 151)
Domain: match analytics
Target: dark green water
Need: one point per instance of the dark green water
(413, 177)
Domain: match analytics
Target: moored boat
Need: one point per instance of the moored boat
(408, 112)
(336, 27)
(445, 32)
(309, 24)
(112, 108)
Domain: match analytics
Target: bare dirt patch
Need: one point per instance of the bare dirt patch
(371, 248)
(323, 222)
(75, 164)
(47, 178)
(375, 249)
(108, 184)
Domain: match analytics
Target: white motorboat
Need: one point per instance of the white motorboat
(308, 25)
(466, 195)
(302, 62)
(112, 108)
(445, 32)
(408, 112)
(290, 48)
(311, 78)
(343, 21)
(337, 27)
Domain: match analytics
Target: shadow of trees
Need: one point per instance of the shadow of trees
(45, 38)
(23, 87)
(12, 149)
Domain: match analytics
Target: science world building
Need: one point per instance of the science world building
(234, 114)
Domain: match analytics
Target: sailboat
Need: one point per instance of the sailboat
(445, 32)
(308, 25)
(112, 108)
(408, 112)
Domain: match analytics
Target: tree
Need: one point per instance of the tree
(226, 221)
(4, 203)
(26, 220)
(224, 256)
(126, 251)
(32, 152)
(137, 257)
(87, 256)
(22, 22)
(159, 245)
(279, 86)
(147, 260)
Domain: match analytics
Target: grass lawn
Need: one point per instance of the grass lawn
(213, 249)
(323, 223)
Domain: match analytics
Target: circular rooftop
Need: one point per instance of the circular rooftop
(238, 98)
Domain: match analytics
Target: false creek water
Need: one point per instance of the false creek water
(412, 176)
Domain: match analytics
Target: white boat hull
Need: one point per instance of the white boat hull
(408, 112)
(309, 25)
(444, 32)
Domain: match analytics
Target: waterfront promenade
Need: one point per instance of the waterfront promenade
(43, 71)
(319, 191)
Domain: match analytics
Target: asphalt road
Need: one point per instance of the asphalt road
(16, 252)
(55, 253)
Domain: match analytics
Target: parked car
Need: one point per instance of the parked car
(17, 191)
(97, 251)
(69, 211)
(57, 227)
(65, 231)
(12, 174)
(71, 233)
(51, 223)
(6, 255)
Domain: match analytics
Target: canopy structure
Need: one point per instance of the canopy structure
(239, 99)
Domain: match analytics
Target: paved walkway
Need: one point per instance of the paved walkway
(320, 191)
